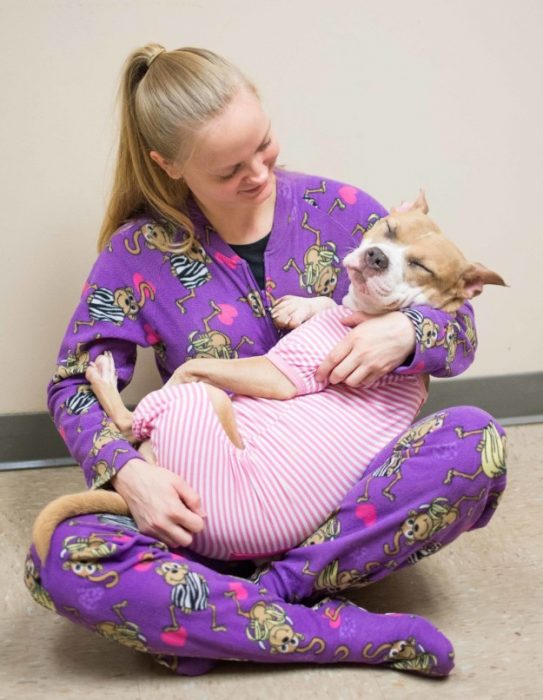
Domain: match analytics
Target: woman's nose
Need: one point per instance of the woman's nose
(257, 169)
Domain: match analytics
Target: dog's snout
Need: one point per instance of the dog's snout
(376, 259)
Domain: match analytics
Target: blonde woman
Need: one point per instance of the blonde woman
(208, 249)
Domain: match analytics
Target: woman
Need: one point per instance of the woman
(202, 236)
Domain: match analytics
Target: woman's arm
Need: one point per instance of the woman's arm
(421, 340)
(160, 502)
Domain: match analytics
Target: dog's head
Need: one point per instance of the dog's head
(405, 259)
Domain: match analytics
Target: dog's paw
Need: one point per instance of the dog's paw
(290, 311)
(101, 372)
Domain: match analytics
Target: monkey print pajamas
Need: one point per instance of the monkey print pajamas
(431, 482)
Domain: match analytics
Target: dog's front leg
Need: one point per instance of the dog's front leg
(290, 311)
(250, 376)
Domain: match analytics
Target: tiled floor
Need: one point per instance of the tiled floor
(485, 592)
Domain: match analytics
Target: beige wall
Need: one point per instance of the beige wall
(386, 95)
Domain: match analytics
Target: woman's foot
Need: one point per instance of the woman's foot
(102, 376)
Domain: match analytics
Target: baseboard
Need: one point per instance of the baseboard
(30, 441)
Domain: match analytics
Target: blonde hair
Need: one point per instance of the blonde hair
(165, 98)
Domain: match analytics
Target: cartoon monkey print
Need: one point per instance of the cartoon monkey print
(422, 524)
(123, 632)
(329, 530)
(154, 236)
(319, 275)
(492, 448)
(404, 654)
(33, 583)
(255, 302)
(115, 306)
(190, 593)
(190, 268)
(81, 401)
(213, 343)
(85, 548)
(332, 580)
(92, 571)
(75, 363)
(269, 623)
(308, 194)
(103, 471)
(409, 444)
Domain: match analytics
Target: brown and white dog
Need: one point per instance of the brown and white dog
(404, 259)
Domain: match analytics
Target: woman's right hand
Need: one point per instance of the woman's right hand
(162, 503)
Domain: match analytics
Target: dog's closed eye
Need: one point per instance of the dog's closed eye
(415, 262)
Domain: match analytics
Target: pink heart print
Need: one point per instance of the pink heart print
(227, 315)
(239, 589)
(146, 561)
(137, 279)
(231, 262)
(334, 623)
(175, 638)
(366, 513)
(348, 194)
(150, 335)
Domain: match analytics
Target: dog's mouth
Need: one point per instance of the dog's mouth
(360, 273)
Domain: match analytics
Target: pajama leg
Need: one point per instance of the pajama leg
(105, 575)
(441, 478)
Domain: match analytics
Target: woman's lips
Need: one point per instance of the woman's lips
(255, 190)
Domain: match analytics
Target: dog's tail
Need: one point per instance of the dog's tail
(69, 506)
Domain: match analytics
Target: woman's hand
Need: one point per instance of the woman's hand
(162, 503)
(375, 347)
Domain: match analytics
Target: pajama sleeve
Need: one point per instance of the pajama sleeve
(445, 343)
(108, 317)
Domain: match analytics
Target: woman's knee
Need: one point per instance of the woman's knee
(470, 418)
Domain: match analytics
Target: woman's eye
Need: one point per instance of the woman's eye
(229, 176)
(265, 145)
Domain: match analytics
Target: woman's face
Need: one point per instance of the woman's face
(234, 155)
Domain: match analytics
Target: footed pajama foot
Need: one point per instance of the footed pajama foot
(401, 641)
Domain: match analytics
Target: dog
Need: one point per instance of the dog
(403, 260)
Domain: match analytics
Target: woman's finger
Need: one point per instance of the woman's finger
(331, 363)
(355, 319)
(190, 498)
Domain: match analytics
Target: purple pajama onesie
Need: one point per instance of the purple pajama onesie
(440, 478)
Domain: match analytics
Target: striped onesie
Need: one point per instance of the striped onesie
(300, 457)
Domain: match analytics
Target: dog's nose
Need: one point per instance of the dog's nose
(376, 259)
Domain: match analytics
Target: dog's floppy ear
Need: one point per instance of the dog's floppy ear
(475, 277)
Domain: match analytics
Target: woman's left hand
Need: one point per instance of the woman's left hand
(375, 347)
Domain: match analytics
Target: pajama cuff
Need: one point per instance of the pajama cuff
(288, 370)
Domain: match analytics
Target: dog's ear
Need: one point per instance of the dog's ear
(475, 277)
(420, 203)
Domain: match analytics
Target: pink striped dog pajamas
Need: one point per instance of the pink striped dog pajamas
(274, 492)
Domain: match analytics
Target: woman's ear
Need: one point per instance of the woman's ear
(171, 169)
